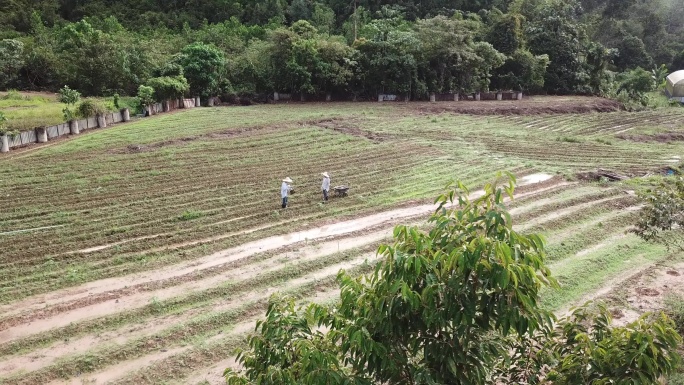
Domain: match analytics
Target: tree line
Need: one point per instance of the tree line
(361, 48)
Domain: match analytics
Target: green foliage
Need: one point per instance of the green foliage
(555, 32)
(412, 48)
(506, 33)
(91, 107)
(189, 215)
(632, 53)
(637, 82)
(203, 66)
(3, 126)
(11, 61)
(12, 95)
(167, 87)
(590, 351)
(145, 95)
(662, 217)
(70, 98)
(659, 76)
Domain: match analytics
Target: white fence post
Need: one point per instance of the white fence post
(73, 127)
(41, 135)
(5, 143)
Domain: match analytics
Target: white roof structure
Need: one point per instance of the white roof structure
(675, 84)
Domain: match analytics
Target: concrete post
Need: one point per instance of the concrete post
(5, 143)
(210, 102)
(477, 96)
(73, 127)
(301, 97)
(276, 97)
(328, 97)
(41, 134)
(433, 97)
(499, 96)
(407, 98)
(519, 96)
(197, 101)
(380, 98)
(101, 121)
(456, 97)
(166, 106)
(125, 115)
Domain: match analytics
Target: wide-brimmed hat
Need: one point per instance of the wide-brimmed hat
(287, 180)
(325, 174)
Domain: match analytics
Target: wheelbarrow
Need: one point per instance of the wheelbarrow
(341, 191)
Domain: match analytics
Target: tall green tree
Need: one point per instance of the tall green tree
(203, 67)
(555, 31)
(389, 49)
(11, 61)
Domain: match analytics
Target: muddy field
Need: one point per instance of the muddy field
(143, 253)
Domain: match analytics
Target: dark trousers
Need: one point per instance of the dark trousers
(284, 202)
(325, 195)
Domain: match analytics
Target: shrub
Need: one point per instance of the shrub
(146, 95)
(3, 127)
(190, 215)
(91, 107)
(12, 95)
(70, 98)
(167, 87)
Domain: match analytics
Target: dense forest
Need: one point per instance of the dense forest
(342, 47)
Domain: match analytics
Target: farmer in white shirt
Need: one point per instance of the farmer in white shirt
(325, 186)
(285, 189)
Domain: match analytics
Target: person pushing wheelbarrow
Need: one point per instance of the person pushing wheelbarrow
(325, 187)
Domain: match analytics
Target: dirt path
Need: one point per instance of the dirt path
(131, 299)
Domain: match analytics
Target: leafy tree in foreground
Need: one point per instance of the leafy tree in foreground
(589, 351)
(455, 305)
(662, 217)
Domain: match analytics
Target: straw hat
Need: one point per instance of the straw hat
(287, 180)
(325, 174)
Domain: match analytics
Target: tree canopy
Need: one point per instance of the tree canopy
(240, 47)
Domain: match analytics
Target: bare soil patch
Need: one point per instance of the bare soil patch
(529, 106)
(350, 127)
(139, 148)
(645, 291)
